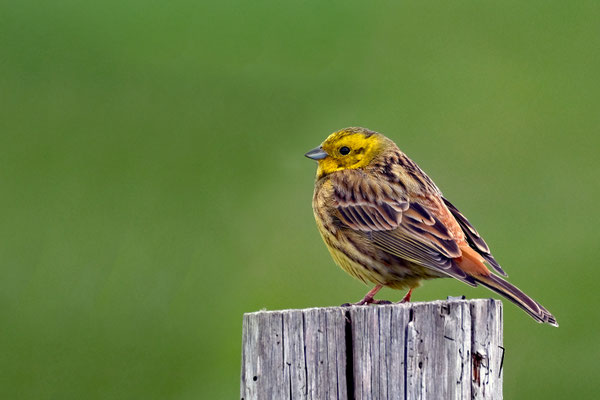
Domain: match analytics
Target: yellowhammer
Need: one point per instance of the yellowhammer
(386, 222)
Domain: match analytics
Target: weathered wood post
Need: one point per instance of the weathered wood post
(436, 350)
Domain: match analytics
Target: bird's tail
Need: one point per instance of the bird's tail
(514, 294)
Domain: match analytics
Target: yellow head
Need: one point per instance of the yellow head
(348, 148)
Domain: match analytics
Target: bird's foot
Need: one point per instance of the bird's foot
(370, 300)
(367, 301)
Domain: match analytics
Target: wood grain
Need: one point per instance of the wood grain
(435, 350)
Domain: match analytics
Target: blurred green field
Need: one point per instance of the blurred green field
(153, 185)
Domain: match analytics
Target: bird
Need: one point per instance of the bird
(385, 222)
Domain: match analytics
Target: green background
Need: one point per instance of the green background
(153, 185)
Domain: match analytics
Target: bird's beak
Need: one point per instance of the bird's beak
(316, 154)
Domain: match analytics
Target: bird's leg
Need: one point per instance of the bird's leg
(368, 299)
(406, 298)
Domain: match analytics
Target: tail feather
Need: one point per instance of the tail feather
(514, 294)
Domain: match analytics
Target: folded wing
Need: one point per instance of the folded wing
(407, 229)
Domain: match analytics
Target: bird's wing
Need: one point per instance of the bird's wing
(473, 238)
(404, 227)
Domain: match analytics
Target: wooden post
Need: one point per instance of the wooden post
(435, 350)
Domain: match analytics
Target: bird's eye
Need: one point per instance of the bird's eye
(344, 150)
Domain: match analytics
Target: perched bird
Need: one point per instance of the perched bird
(386, 222)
